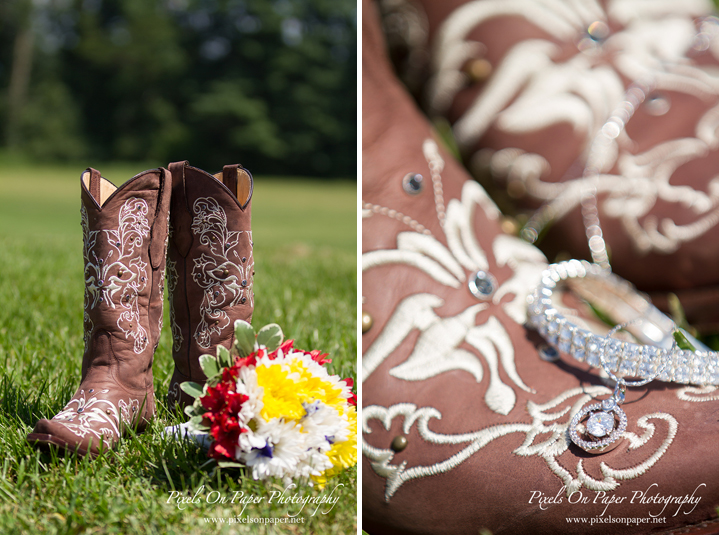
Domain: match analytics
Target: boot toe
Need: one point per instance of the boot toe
(53, 434)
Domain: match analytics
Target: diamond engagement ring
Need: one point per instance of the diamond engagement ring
(597, 427)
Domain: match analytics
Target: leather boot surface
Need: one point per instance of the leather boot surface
(210, 266)
(125, 242)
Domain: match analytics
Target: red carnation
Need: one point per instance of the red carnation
(218, 452)
(285, 347)
(226, 431)
(214, 400)
(318, 357)
(234, 403)
(352, 400)
(249, 360)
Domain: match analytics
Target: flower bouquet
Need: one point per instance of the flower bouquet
(274, 409)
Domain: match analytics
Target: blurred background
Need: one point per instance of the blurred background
(268, 83)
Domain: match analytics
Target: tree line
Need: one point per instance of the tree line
(268, 83)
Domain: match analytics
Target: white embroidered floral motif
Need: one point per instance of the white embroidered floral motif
(88, 325)
(225, 279)
(546, 429)
(537, 86)
(174, 393)
(437, 348)
(698, 394)
(172, 279)
(96, 416)
(121, 271)
(643, 180)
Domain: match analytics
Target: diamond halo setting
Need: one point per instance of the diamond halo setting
(597, 427)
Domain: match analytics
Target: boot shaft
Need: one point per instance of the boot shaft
(125, 241)
(210, 262)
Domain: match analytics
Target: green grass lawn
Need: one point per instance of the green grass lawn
(305, 254)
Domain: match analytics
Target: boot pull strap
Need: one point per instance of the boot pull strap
(95, 185)
(178, 167)
(159, 225)
(181, 214)
(239, 181)
(177, 170)
(92, 179)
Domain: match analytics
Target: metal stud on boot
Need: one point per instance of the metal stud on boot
(210, 266)
(125, 243)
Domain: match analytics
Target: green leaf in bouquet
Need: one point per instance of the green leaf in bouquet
(224, 357)
(197, 425)
(228, 464)
(191, 389)
(244, 338)
(209, 365)
(270, 336)
(196, 409)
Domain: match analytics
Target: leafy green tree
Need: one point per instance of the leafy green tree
(269, 83)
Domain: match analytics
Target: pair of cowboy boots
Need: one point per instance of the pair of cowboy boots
(182, 220)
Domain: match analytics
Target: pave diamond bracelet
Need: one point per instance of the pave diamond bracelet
(597, 428)
(618, 298)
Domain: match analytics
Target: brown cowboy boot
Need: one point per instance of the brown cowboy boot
(210, 266)
(125, 242)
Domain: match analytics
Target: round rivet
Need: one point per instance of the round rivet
(69, 419)
(244, 283)
(80, 409)
(548, 353)
(101, 282)
(142, 279)
(399, 443)
(118, 244)
(244, 259)
(510, 226)
(225, 272)
(102, 299)
(91, 390)
(216, 293)
(108, 411)
(367, 322)
(482, 285)
(131, 326)
(243, 300)
(227, 246)
(120, 272)
(101, 260)
(412, 183)
(478, 69)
